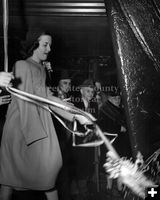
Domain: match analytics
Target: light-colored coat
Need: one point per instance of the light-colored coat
(30, 155)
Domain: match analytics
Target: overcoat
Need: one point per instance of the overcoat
(83, 158)
(30, 156)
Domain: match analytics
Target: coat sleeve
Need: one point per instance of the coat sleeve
(69, 116)
(30, 121)
(66, 115)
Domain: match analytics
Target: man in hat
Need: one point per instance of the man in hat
(64, 137)
(64, 85)
(83, 158)
(111, 119)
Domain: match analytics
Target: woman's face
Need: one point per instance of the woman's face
(44, 48)
(87, 93)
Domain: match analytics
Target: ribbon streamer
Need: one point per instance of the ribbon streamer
(70, 109)
(60, 104)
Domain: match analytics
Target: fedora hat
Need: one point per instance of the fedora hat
(88, 83)
(64, 75)
(114, 92)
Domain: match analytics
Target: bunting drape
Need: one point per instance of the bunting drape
(135, 28)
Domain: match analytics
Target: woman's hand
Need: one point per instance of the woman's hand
(5, 79)
(5, 99)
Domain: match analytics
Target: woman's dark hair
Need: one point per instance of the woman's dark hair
(34, 46)
(32, 43)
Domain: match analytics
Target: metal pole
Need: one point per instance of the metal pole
(5, 33)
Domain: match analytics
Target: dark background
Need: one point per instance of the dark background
(82, 41)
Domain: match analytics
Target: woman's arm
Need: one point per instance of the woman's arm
(67, 114)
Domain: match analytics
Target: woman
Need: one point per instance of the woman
(30, 156)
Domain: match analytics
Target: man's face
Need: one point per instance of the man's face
(65, 85)
(116, 100)
(87, 93)
(99, 100)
